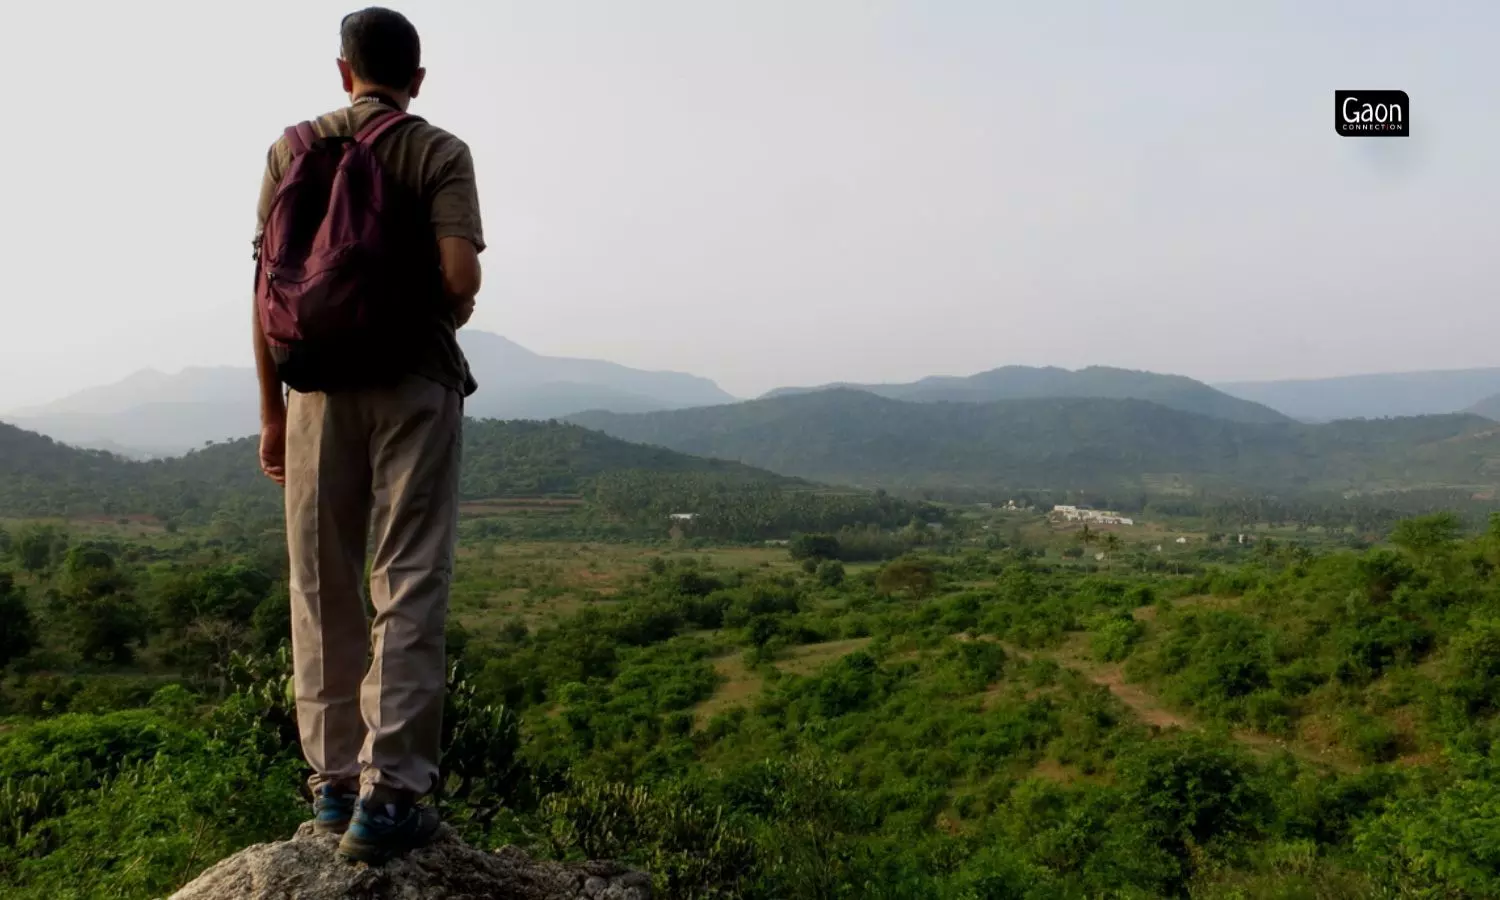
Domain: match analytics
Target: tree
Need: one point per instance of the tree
(17, 627)
(831, 573)
(1427, 535)
(107, 627)
(37, 547)
(815, 547)
(911, 575)
(272, 620)
(1189, 795)
(103, 617)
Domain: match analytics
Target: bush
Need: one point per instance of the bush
(18, 631)
(1375, 741)
(1474, 666)
(691, 848)
(1443, 842)
(913, 576)
(1193, 798)
(1114, 635)
(816, 547)
(831, 573)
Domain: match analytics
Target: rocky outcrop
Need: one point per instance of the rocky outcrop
(306, 868)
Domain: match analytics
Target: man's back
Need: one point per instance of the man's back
(377, 454)
(437, 168)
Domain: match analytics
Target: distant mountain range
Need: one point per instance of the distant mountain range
(1100, 382)
(1373, 396)
(858, 438)
(155, 414)
(1489, 407)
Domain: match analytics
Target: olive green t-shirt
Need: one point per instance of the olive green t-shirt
(438, 167)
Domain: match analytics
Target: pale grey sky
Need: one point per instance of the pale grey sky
(795, 191)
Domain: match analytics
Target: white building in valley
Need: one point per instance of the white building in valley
(1090, 516)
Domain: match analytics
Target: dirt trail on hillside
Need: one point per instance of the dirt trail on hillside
(1150, 710)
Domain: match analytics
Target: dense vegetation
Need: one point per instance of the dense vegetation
(630, 488)
(854, 437)
(1100, 382)
(982, 716)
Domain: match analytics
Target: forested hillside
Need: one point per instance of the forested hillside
(856, 437)
(629, 482)
(1050, 382)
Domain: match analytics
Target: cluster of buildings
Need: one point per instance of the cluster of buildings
(1090, 516)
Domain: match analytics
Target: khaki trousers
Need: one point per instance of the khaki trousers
(370, 697)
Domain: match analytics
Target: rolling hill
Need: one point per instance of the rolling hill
(153, 414)
(855, 437)
(41, 476)
(1372, 396)
(1027, 382)
(621, 485)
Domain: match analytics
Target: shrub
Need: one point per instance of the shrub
(1114, 635)
(18, 631)
(831, 573)
(691, 848)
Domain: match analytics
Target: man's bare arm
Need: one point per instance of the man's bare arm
(461, 275)
(272, 406)
(272, 402)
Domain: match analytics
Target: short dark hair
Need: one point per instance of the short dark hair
(381, 46)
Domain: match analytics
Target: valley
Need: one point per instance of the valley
(920, 451)
(764, 649)
(945, 704)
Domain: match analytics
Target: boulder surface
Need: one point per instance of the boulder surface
(307, 868)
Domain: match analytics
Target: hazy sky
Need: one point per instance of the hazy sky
(799, 191)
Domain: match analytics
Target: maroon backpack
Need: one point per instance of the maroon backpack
(343, 263)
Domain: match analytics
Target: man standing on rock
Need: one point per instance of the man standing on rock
(367, 264)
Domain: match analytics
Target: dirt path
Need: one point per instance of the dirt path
(1149, 709)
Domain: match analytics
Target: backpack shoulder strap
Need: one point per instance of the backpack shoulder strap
(300, 138)
(381, 124)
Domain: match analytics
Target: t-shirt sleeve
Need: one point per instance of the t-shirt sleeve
(268, 181)
(455, 198)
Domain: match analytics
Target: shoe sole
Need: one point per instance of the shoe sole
(339, 829)
(355, 850)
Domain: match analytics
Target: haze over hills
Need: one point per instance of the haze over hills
(599, 484)
(1028, 382)
(1372, 396)
(855, 437)
(156, 414)
(41, 476)
(1489, 407)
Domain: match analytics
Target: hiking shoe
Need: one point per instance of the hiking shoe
(378, 832)
(333, 807)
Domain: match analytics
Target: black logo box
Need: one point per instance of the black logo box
(1372, 113)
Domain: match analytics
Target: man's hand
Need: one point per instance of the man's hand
(273, 449)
